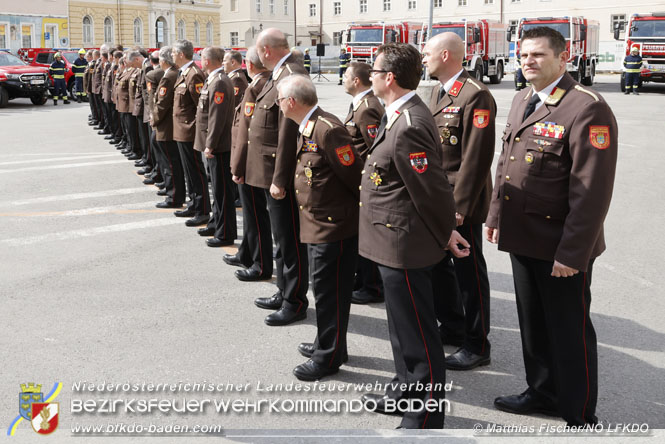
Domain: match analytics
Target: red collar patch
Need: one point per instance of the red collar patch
(456, 88)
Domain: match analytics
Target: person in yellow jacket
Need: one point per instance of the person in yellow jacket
(58, 70)
(632, 65)
(78, 68)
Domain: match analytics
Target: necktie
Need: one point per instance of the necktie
(384, 122)
(350, 107)
(531, 107)
(442, 92)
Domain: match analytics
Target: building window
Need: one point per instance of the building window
(258, 6)
(489, 2)
(108, 30)
(515, 1)
(234, 5)
(4, 40)
(513, 27)
(233, 38)
(87, 30)
(26, 35)
(461, 2)
(286, 7)
(386, 5)
(312, 10)
(438, 3)
(197, 33)
(209, 31)
(412, 5)
(617, 19)
(337, 38)
(138, 31)
(363, 6)
(337, 8)
(271, 6)
(181, 30)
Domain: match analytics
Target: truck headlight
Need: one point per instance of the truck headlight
(12, 76)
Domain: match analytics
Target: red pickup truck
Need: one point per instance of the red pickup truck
(44, 57)
(20, 80)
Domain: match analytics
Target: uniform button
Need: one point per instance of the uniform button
(301, 207)
(507, 177)
(249, 129)
(297, 175)
(548, 217)
(506, 197)
(388, 226)
(297, 192)
(298, 160)
(330, 218)
(360, 187)
(540, 148)
(273, 154)
(252, 117)
(248, 142)
(362, 172)
(512, 157)
(517, 139)
(360, 204)
(369, 155)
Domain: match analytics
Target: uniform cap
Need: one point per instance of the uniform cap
(57, 54)
(635, 49)
(82, 51)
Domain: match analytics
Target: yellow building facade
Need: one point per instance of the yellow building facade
(151, 24)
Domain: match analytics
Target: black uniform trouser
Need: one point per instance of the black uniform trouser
(99, 109)
(174, 177)
(414, 337)
(196, 177)
(93, 107)
(465, 311)
(108, 124)
(223, 218)
(341, 73)
(117, 122)
(558, 338)
(368, 277)
(60, 89)
(291, 258)
(132, 134)
(332, 266)
(632, 81)
(255, 250)
(144, 139)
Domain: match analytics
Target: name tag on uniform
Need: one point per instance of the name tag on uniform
(549, 129)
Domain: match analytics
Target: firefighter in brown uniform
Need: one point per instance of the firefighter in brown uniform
(162, 123)
(92, 68)
(326, 186)
(214, 120)
(255, 250)
(233, 68)
(97, 87)
(407, 220)
(152, 78)
(148, 162)
(465, 113)
(187, 91)
(362, 122)
(118, 135)
(271, 161)
(135, 61)
(105, 67)
(107, 83)
(123, 104)
(554, 183)
(87, 83)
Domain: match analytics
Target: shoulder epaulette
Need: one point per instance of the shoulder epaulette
(186, 71)
(579, 88)
(233, 74)
(289, 68)
(473, 82)
(408, 117)
(326, 121)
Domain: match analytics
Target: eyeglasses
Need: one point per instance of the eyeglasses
(278, 100)
(374, 71)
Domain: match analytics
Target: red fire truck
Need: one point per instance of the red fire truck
(487, 51)
(582, 42)
(647, 32)
(363, 40)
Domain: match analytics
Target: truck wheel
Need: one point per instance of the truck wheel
(588, 81)
(4, 97)
(478, 73)
(575, 75)
(499, 74)
(623, 82)
(70, 90)
(39, 100)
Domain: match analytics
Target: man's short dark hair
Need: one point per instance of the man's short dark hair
(404, 61)
(361, 70)
(554, 37)
(235, 55)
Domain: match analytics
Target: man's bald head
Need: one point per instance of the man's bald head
(451, 42)
(273, 38)
(443, 55)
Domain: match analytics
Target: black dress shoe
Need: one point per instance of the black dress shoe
(148, 181)
(525, 404)
(109, 137)
(251, 275)
(141, 163)
(207, 231)
(162, 193)
(197, 221)
(144, 172)
(307, 350)
(215, 242)
(133, 157)
(160, 184)
(168, 205)
(365, 297)
(232, 259)
(463, 359)
(274, 302)
(189, 212)
(103, 132)
(380, 402)
(311, 371)
(93, 123)
(98, 127)
(285, 316)
(238, 204)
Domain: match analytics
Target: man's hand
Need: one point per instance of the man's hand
(455, 239)
(560, 270)
(492, 235)
(277, 192)
(459, 218)
(208, 153)
(239, 180)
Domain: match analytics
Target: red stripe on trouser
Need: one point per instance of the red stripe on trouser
(480, 294)
(586, 358)
(256, 218)
(339, 258)
(295, 238)
(198, 162)
(429, 362)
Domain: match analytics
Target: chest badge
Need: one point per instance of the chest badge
(310, 146)
(219, 97)
(528, 157)
(375, 178)
(308, 176)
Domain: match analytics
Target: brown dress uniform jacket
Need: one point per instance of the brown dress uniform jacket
(363, 121)
(555, 176)
(152, 79)
(134, 80)
(407, 211)
(123, 91)
(107, 82)
(97, 77)
(326, 180)
(465, 118)
(241, 121)
(87, 78)
(115, 86)
(214, 116)
(271, 151)
(187, 90)
(239, 81)
(162, 114)
(139, 104)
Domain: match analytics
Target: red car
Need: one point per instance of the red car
(44, 57)
(17, 79)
